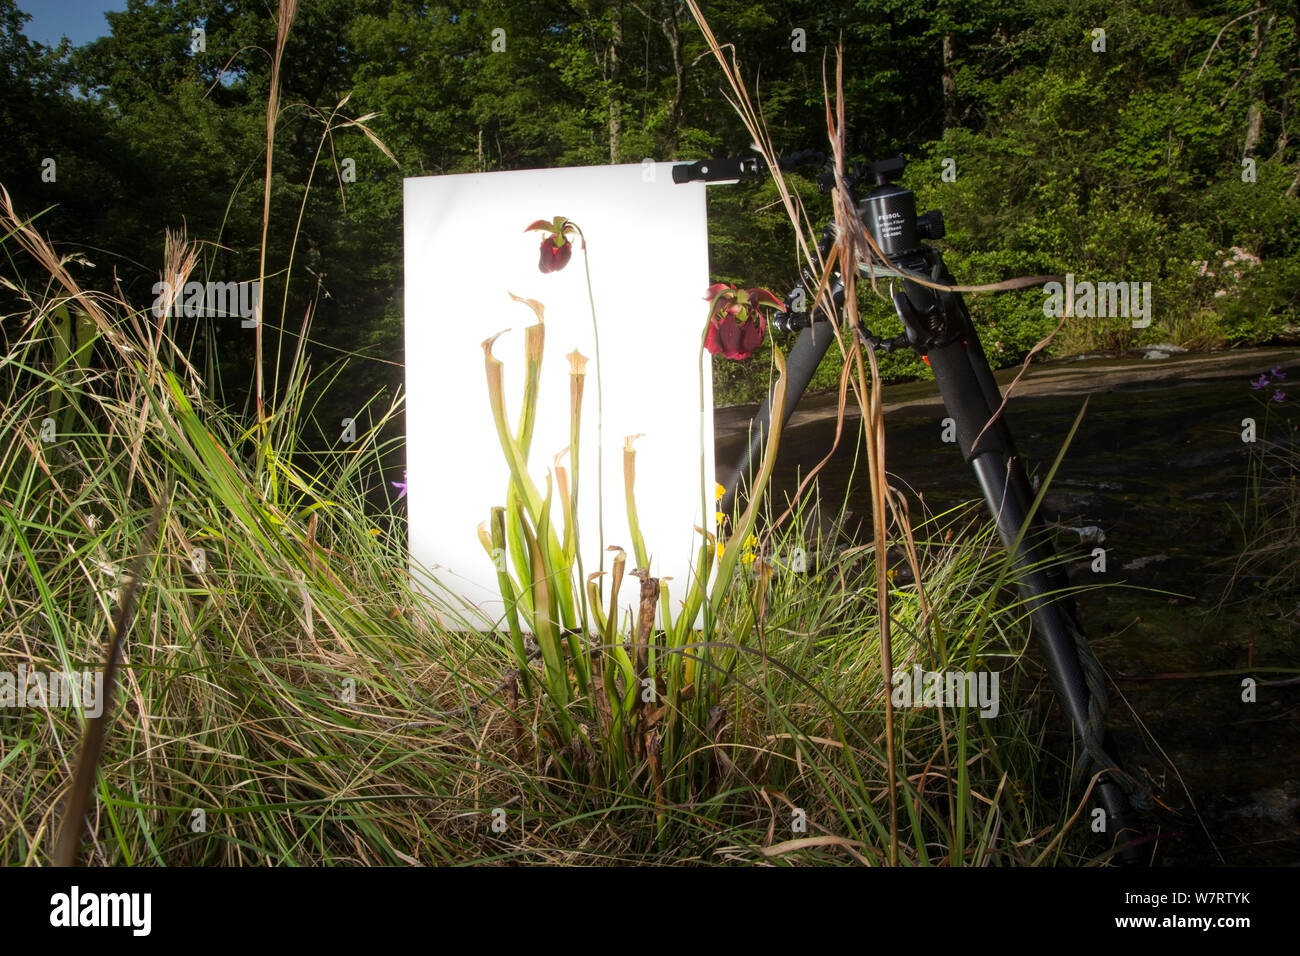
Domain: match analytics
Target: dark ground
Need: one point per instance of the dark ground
(1159, 466)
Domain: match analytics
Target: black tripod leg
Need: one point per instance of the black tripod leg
(970, 396)
(800, 365)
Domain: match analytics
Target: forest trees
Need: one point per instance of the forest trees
(1129, 142)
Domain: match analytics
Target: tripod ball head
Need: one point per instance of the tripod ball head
(884, 170)
(889, 211)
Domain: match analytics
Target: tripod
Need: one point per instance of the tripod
(938, 327)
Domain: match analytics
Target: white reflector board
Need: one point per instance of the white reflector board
(466, 251)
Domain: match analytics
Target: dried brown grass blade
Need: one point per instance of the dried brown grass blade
(284, 21)
(92, 743)
(1024, 367)
(804, 843)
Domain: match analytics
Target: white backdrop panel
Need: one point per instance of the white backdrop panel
(465, 251)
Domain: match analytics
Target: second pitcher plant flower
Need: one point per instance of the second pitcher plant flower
(737, 321)
(557, 246)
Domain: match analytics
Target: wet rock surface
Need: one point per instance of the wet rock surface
(1157, 476)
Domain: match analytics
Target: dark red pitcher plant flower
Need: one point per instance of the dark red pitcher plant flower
(737, 321)
(557, 246)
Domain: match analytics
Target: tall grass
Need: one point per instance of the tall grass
(285, 697)
(1266, 569)
(283, 679)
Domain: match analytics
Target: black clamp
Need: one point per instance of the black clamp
(720, 170)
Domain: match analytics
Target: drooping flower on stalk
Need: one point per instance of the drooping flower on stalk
(737, 320)
(556, 251)
(557, 246)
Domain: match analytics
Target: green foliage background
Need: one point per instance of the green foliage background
(1122, 164)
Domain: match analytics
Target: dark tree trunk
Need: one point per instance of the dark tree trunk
(615, 97)
(949, 84)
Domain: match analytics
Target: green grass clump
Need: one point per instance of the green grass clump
(1265, 571)
(282, 677)
(286, 696)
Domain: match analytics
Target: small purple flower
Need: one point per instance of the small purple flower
(400, 486)
(1278, 374)
(1279, 396)
(1261, 382)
